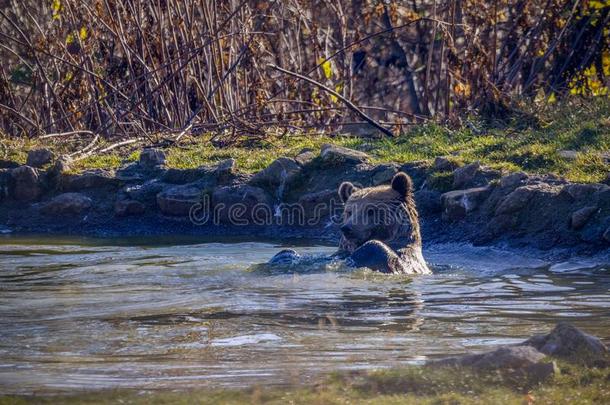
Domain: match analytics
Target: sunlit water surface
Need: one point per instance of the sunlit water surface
(150, 315)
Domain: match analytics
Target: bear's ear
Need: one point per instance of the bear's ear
(345, 190)
(401, 182)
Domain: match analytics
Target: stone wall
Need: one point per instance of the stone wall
(297, 196)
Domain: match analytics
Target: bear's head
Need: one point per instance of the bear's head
(383, 213)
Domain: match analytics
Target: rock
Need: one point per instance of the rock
(334, 155)
(513, 180)
(305, 157)
(279, 173)
(151, 158)
(225, 169)
(55, 172)
(503, 357)
(606, 181)
(242, 205)
(182, 176)
(8, 164)
(568, 154)
(443, 164)
(5, 181)
(132, 172)
(67, 204)
(383, 174)
(568, 342)
(428, 202)
(517, 199)
(220, 173)
(463, 176)
(146, 192)
(25, 184)
(515, 361)
(456, 204)
(553, 179)
(61, 165)
(578, 192)
(96, 178)
(123, 208)
(178, 200)
(316, 208)
(581, 216)
(418, 171)
(39, 157)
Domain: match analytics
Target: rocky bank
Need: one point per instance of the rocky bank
(297, 197)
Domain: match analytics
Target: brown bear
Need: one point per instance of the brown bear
(379, 227)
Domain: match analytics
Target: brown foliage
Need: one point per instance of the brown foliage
(134, 67)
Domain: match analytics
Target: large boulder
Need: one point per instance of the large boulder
(179, 200)
(242, 205)
(89, 179)
(151, 158)
(334, 155)
(25, 184)
(39, 157)
(67, 204)
(456, 204)
(568, 342)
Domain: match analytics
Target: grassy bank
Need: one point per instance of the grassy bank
(536, 147)
(413, 385)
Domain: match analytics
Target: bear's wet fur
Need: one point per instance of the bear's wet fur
(380, 229)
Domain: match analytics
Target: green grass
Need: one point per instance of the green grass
(411, 385)
(584, 128)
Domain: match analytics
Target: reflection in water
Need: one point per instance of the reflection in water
(148, 315)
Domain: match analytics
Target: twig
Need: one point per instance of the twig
(116, 145)
(83, 131)
(345, 101)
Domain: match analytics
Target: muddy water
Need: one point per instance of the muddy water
(147, 314)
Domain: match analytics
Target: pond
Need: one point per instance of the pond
(183, 313)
